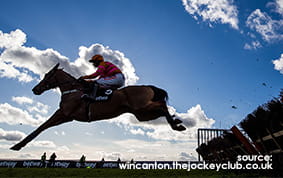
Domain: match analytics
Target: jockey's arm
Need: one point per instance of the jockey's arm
(88, 77)
(92, 76)
(96, 74)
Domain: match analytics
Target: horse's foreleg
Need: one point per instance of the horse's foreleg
(56, 119)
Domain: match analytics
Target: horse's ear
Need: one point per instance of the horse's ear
(56, 66)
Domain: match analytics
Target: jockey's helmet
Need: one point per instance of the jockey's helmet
(96, 58)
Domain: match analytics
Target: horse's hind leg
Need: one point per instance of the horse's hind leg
(56, 119)
(174, 123)
(158, 109)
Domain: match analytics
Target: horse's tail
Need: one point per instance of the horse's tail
(159, 94)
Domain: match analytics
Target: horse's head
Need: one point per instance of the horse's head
(48, 82)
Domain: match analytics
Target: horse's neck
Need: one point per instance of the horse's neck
(67, 82)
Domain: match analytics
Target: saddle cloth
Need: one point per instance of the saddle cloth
(104, 94)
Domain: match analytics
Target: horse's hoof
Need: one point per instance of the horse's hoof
(179, 127)
(15, 148)
(177, 121)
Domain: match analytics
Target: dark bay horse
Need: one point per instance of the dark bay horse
(145, 102)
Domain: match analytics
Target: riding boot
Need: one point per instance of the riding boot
(92, 94)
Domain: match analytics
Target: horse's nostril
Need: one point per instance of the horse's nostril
(35, 91)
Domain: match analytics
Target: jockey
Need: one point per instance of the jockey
(109, 76)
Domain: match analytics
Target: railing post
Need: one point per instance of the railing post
(248, 146)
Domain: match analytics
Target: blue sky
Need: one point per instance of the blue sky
(208, 57)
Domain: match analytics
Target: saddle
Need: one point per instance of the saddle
(102, 94)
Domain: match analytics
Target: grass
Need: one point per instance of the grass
(76, 172)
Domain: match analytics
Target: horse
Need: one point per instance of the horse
(145, 102)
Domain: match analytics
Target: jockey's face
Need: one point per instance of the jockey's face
(96, 63)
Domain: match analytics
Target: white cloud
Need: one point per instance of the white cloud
(277, 6)
(62, 149)
(280, 5)
(156, 150)
(42, 143)
(88, 134)
(270, 30)
(138, 131)
(60, 133)
(127, 149)
(278, 64)
(4, 146)
(10, 71)
(39, 108)
(11, 135)
(215, 11)
(27, 156)
(19, 61)
(159, 129)
(13, 116)
(254, 45)
(110, 156)
(187, 157)
(13, 39)
(22, 100)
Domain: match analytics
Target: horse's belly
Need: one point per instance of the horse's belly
(105, 110)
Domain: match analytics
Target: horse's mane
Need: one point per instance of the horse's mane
(67, 74)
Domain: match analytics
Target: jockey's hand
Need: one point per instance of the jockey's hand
(81, 79)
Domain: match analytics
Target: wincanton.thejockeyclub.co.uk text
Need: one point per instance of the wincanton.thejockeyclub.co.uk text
(248, 162)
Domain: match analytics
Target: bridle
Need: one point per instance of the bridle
(48, 85)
